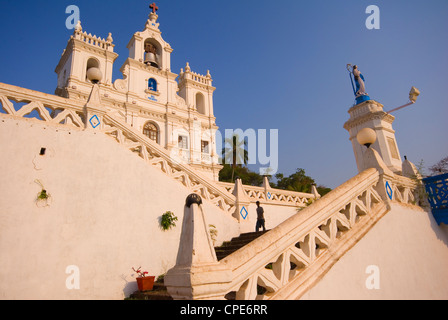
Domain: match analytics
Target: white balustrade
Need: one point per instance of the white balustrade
(289, 259)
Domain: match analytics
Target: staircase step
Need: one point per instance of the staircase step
(251, 235)
(239, 243)
(159, 292)
(236, 243)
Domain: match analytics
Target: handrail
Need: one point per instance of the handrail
(51, 109)
(301, 249)
(157, 155)
(304, 228)
(272, 195)
(437, 189)
(19, 94)
(61, 111)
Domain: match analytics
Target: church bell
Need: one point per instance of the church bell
(150, 59)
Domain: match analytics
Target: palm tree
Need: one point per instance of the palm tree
(235, 152)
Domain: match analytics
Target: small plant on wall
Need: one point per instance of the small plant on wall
(213, 232)
(43, 198)
(168, 221)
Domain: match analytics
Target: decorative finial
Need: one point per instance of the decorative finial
(109, 38)
(187, 67)
(193, 198)
(78, 26)
(153, 7)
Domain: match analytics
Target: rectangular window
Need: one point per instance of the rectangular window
(204, 147)
(393, 148)
(183, 142)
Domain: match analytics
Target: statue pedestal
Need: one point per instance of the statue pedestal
(361, 99)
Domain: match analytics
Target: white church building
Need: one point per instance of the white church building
(86, 181)
(174, 110)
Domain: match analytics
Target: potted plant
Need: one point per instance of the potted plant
(144, 282)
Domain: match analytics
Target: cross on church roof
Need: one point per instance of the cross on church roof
(154, 7)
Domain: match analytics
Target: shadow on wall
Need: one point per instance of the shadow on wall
(130, 288)
(441, 231)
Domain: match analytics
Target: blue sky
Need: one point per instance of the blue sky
(275, 64)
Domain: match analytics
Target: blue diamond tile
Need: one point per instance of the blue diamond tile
(389, 190)
(244, 213)
(94, 121)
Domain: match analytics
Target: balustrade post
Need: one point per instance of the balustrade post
(197, 274)
(93, 110)
(372, 159)
(242, 203)
(315, 192)
(267, 188)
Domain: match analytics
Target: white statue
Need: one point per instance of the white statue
(359, 80)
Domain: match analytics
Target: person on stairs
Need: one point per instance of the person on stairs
(260, 218)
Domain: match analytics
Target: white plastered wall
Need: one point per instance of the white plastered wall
(103, 217)
(408, 252)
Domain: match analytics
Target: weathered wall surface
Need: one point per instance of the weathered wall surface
(103, 215)
(273, 214)
(404, 256)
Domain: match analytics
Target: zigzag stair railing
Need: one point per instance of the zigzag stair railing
(273, 196)
(61, 111)
(51, 109)
(285, 262)
(158, 157)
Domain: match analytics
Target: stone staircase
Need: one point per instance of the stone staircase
(159, 291)
(236, 243)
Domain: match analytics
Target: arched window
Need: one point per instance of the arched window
(152, 84)
(92, 63)
(150, 130)
(200, 103)
(152, 53)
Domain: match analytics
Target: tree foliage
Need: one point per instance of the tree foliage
(298, 181)
(440, 167)
(248, 177)
(235, 157)
(235, 153)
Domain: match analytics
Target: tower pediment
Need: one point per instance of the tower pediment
(149, 47)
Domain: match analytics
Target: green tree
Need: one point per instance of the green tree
(323, 190)
(235, 153)
(247, 176)
(298, 181)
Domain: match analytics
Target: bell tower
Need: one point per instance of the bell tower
(149, 47)
(84, 51)
(173, 110)
(148, 67)
(197, 90)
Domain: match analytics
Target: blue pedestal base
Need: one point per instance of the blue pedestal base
(362, 99)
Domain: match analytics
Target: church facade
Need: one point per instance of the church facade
(87, 181)
(174, 110)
